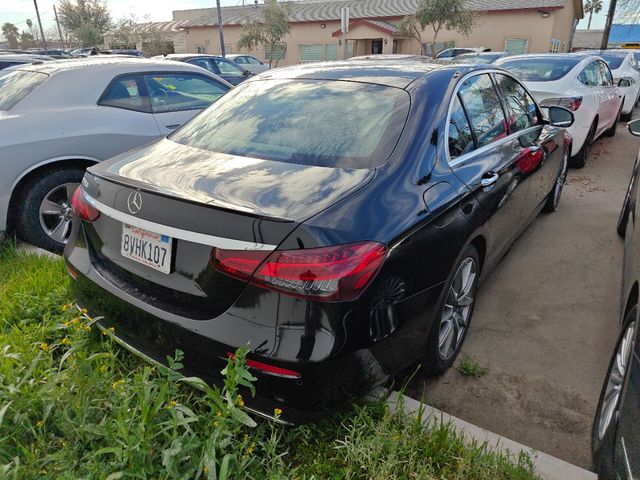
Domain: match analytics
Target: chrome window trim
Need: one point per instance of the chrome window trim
(509, 138)
(173, 232)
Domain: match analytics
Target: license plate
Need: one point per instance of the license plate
(149, 248)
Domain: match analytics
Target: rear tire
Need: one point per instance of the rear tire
(579, 160)
(56, 186)
(621, 227)
(553, 198)
(450, 327)
(604, 425)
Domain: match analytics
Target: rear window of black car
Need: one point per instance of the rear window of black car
(307, 122)
(545, 69)
(613, 60)
(17, 84)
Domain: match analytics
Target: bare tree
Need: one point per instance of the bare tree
(439, 14)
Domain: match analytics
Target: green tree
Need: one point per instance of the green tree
(439, 14)
(269, 31)
(27, 40)
(591, 7)
(10, 33)
(86, 21)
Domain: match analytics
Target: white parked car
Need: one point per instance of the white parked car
(249, 62)
(449, 53)
(57, 118)
(11, 59)
(582, 83)
(625, 69)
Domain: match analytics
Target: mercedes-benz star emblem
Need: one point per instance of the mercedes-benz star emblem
(134, 202)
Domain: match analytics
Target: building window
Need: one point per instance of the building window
(278, 53)
(321, 52)
(516, 45)
(555, 45)
(201, 49)
(312, 53)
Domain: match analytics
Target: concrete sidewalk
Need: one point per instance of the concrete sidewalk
(548, 467)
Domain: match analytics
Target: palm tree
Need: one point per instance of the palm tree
(10, 32)
(591, 7)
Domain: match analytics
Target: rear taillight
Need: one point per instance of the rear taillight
(269, 369)
(336, 273)
(572, 103)
(82, 208)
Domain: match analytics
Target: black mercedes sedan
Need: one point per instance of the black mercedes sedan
(337, 218)
(616, 429)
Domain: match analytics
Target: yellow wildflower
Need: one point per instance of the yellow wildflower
(39, 423)
(44, 346)
(216, 423)
(83, 311)
(87, 328)
(205, 470)
(277, 412)
(240, 401)
(250, 449)
(104, 368)
(173, 403)
(66, 341)
(219, 413)
(67, 323)
(64, 307)
(75, 320)
(116, 384)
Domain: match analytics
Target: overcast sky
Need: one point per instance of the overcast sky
(18, 11)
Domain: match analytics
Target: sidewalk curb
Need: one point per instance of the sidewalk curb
(547, 467)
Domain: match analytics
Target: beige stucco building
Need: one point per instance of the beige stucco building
(520, 26)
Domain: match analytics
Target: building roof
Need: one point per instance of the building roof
(620, 33)
(624, 33)
(325, 10)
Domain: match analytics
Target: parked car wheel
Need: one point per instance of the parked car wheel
(450, 329)
(603, 432)
(44, 218)
(621, 228)
(580, 159)
(612, 131)
(553, 199)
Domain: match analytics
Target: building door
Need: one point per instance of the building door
(376, 47)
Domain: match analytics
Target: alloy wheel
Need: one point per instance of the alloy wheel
(56, 212)
(557, 192)
(457, 309)
(615, 381)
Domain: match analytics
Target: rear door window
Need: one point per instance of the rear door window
(606, 79)
(483, 107)
(460, 135)
(182, 91)
(16, 85)
(125, 92)
(590, 76)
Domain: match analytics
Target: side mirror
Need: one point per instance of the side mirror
(625, 82)
(560, 117)
(634, 127)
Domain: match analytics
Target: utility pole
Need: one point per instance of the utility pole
(55, 12)
(607, 25)
(44, 42)
(223, 51)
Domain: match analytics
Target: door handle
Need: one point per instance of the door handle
(174, 125)
(489, 179)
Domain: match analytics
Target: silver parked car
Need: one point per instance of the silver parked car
(57, 118)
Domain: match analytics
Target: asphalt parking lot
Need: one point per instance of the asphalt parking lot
(547, 318)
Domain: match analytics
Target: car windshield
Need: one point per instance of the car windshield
(613, 60)
(312, 122)
(545, 69)
(17, 84)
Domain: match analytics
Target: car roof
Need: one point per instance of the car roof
(26, 57)
(191, 55)
(382, 70)
(566, 56)
(107, 63)
(235, 55)
(603, 52)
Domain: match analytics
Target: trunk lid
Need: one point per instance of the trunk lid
(201, 200)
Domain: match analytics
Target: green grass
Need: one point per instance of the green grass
(469, 367)
(75, 405)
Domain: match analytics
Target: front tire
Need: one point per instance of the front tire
(454, 314)
(44, 217)
(579, 160)
(604, 425)
(553, 199)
